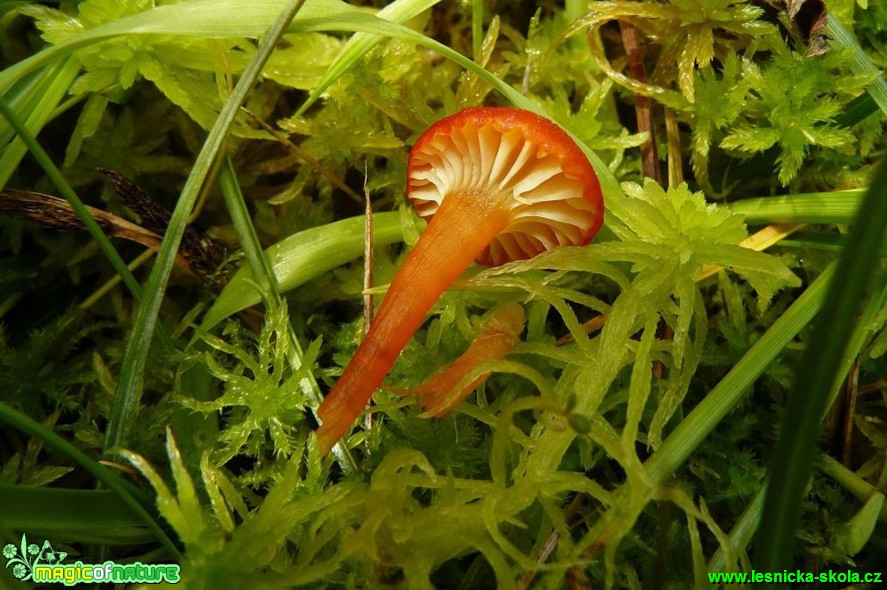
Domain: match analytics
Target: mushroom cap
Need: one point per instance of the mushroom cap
(555, 197)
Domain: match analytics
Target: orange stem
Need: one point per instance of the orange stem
(462, 227)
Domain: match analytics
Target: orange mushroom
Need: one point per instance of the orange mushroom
(495, 338)
(498, 184)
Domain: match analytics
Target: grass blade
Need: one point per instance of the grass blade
(815, 378)
(114, 482)
(360, 43)
(82, 516)
(690, 433)
(130, 383)
(36, 102)
(841, 37)
(256, 261)
(836, 207)
(301, 257)
(850, 481)
(742, 532)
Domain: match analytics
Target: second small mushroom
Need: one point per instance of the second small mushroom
(495, 337)
(498, 184)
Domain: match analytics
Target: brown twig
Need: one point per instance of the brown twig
(368, 261)
(643, 104)
(850, 392)
(649, 157)
(873, 387)
(56, 213)
(675, 165)
(204, 255)
(551, 542)
(841, 414)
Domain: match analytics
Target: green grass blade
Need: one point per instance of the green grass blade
(114, 482)
(83, 516)
(200, 18)
(297, 259)
(857, 110)
(861, 64)
(815, 377)
(124, 408)
(824, 242)
(748, 523)
(814, 241)
(859, 336)
(360, 43)
(477, 27)
(690, 433)
(261, 274)
(836, 207)
(850, 481)
(35, 101)
(742, 532)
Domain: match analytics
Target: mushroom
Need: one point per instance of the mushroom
(495, 337)
(498, 184)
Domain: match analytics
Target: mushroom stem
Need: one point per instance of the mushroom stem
(464, 225)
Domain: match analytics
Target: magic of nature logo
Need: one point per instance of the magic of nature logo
(43, 564)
